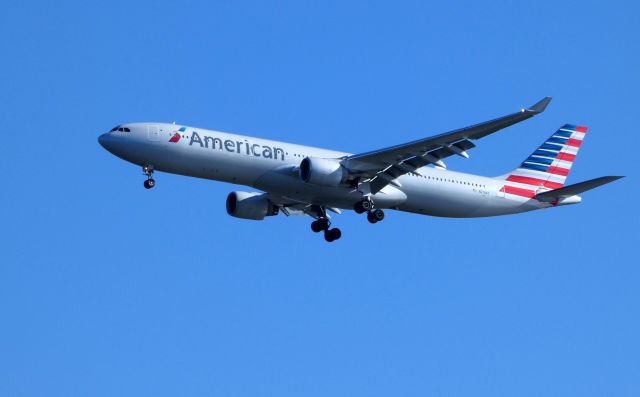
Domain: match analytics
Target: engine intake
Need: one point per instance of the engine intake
(250, 205)
(323, 172)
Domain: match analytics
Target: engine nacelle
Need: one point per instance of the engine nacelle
(323, 172)
(250, 205)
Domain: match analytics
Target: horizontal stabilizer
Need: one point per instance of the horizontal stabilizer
(575, 189)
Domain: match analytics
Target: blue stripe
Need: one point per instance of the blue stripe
(182, 129)
(551, 146)
(569, 127)
(563, 133)
(544, 153)
(540, 160)
(557, 140)
(536, 167)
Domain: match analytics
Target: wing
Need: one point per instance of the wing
(381, 167)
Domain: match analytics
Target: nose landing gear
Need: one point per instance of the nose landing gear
(148, 171)
(149, 183)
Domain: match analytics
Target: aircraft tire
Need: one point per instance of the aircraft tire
(316, 227)
(371, 217)
(331, 235)
(337, 233)
(378, 214)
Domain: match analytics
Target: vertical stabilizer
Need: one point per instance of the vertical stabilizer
(549, 166)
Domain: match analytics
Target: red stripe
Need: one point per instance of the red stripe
(518, 191)
(534, 181)
(566, 156)
(581, 128)
(558, 171)
(574, 142)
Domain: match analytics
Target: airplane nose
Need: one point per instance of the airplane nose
(108, 142)
(114, 144)
(102, 140)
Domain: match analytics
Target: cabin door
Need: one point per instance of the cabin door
(154, 133)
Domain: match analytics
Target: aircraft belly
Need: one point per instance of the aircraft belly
(285, 182)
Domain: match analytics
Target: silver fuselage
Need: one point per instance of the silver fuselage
(272, 166)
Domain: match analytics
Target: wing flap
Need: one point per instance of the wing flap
(459, 148)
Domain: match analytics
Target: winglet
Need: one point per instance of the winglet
(540, 106)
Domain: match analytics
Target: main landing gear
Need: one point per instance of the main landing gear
(322, 224)
(363, 206)
(375, 216)
(366, 205)
(148, 171)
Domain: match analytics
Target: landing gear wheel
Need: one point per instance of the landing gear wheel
(363, 206)
(332, 235)
(378, 214)
(367, 205)
(149, 183)
(375, 216)
(319, 225)
(371, 218)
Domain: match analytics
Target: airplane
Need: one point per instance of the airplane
(411, 177)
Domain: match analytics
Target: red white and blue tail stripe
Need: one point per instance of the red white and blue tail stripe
(549, 166)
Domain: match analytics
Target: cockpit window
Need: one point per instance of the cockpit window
(126, 129)
(121, 129)
(115, 128)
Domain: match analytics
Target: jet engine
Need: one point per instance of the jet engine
(323, 172)
(250, 205)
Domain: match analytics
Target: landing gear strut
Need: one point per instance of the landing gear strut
(323, 224)
(148, 171)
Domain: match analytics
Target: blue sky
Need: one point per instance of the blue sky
(108, 289)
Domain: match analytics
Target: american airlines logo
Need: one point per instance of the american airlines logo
(177, 134)
(244, 146)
